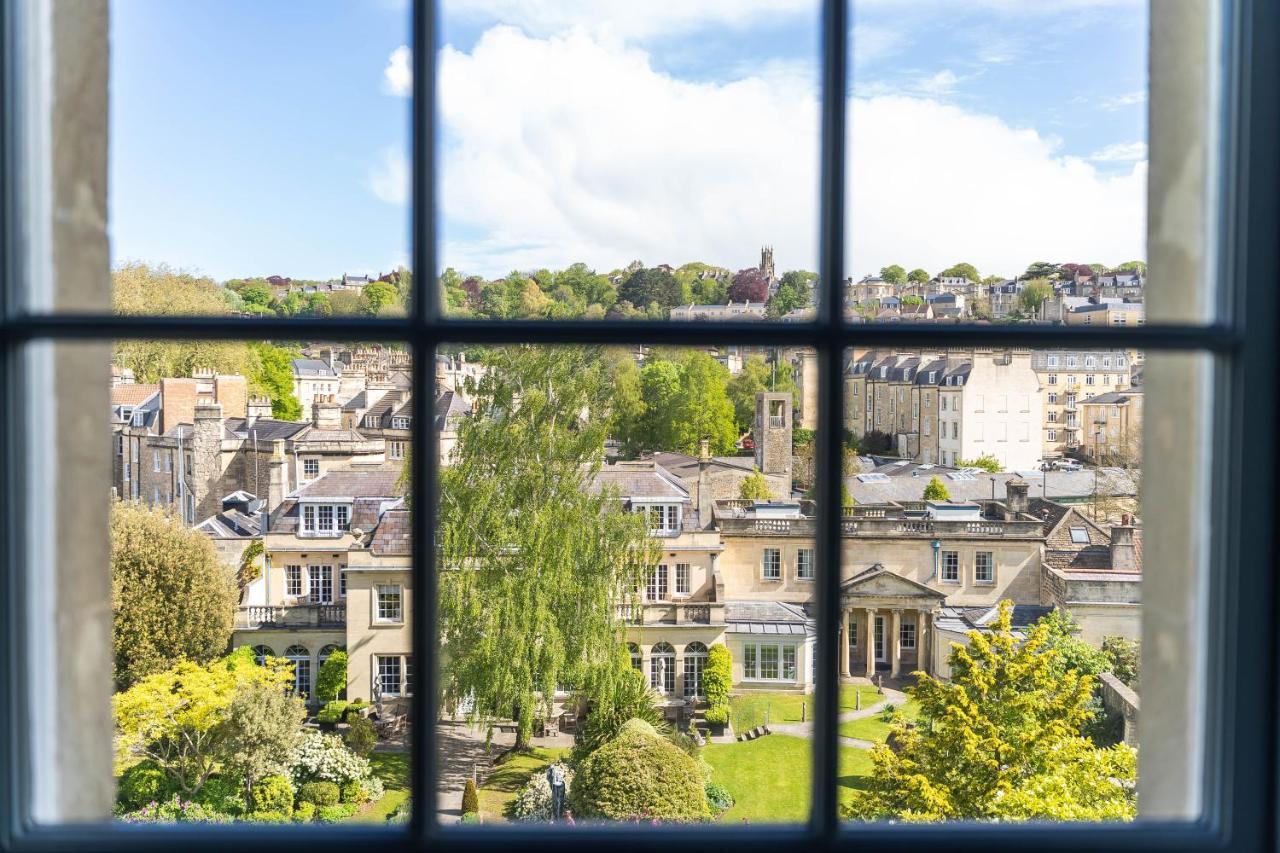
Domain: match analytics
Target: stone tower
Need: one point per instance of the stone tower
(766, 262)
(773, 433)
(206, 459)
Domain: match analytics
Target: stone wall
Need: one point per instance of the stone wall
(1118, 698)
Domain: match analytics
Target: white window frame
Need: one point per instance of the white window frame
(990, 561)
(394, 615)
(949, 564)
(682, 578)
(804, 565)
(771, 565)
(755, 667)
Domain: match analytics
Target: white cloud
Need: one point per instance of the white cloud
(628, 19)
(389, 177)
(1127, 99)
(1121, 152)
(397, 77)
(572, 148)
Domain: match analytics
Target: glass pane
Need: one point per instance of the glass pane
(991, 181)
(987, 485)
(635, 530)
(254, 663)
(628, 162)
(259, 160)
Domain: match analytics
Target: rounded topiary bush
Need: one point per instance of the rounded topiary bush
(638, 726)
(273, 794)
(639, 776)
(141, 784)
(320, 793)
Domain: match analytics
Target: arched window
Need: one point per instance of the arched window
(301, 659)
(635, 656)
(261, 653)
(662, 668)
(695, 660)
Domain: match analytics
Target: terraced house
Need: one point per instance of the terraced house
(916, 575)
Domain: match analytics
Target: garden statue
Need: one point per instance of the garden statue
(555, 778)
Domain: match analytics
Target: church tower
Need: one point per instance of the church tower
(766, 262)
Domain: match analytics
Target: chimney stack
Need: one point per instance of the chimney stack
(259, 407)
(1124, 552)
(206, 458)
(1016, 500)
(705, 500)
(277, 483)
(325, 412)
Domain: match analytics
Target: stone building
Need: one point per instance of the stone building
(1067, 378)
(1112, 428)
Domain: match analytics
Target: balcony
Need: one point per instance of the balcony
(874, 521)
(673, 613)
(274, 616)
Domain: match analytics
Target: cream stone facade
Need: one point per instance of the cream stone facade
(1067, 378)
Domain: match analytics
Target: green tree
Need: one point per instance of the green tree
(377, 297)
(794, 291)
(986, 462)
(470, 798)
(918, 276)
(702, 409)
(1033, 296)
(755, 487)
(936, 490)
(1061, 633)
(757, 375)
(627, 408)
(660, 387)
(263, 725)
(1126, 658)
(1140, 267)
(171, 597)
(256, 294)
(274, 373)
(617, 695)
(180, 717)
(894, 274)
(912, 299)
(332, 678)
(1000, 741)
(536, 561)
(717, 676)
(1042, 269)
(961, 270)
(646, 286)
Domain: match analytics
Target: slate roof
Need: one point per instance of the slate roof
(393, 534)
(901, 485)
(266, 429)
(373, 483)
(231, 524)
(633, 480)
(767, 617)
(962, 619)
(1115, 398)
(311, 367)
(686, 466)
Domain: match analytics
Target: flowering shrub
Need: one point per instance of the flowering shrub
(176, 810)
(534, 800)
(718, 798)
(325, 758)
(273, 794)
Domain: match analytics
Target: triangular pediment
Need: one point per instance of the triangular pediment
(879, 582)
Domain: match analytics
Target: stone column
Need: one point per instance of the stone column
(871, 642)
(844, 642)
(895, 642)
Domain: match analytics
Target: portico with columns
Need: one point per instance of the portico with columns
(886, 624)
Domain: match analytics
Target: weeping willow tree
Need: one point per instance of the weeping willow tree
(535, 559)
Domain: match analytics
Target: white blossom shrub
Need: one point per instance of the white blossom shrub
(534, 800)
(325, 758)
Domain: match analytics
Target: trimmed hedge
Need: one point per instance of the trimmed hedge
(639, 776)
(334, 813)
(304, 813)
(320, 793)
(470, 799)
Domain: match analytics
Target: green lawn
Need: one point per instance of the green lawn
(393, 767)
(770, 777)
(748, 709)
(875, 727)
(500, 789)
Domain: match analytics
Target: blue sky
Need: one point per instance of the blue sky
(250, 139)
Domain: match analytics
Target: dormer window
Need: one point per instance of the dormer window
(325, 519)
(399, 423)
(664, 519)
